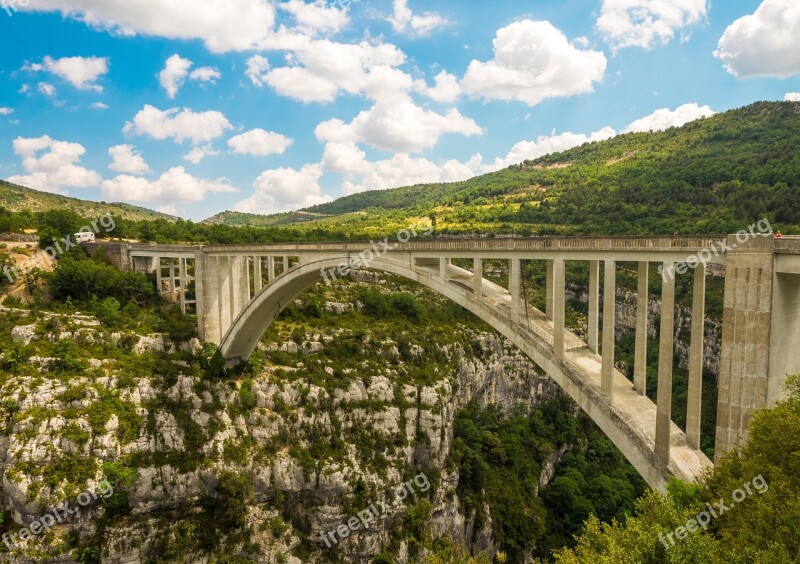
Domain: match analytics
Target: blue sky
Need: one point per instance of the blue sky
(198, 107)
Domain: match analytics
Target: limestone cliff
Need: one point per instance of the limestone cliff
(317, 450)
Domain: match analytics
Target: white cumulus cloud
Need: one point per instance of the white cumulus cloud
(320, 70)
(52, 165)
(534, 61)
(99, 106)
(445, 90)
(47, 89)
(223, 25)
(285, 189)
(404, 20)
(647, 23)
(257, 68)
(198, 154)
(176, 71)
(125, 158)
(766, 43)
(178, 124)
(397, 126)
(317, 16)
(792, 97)
(81, 72)
(259, 143)
(6, 111)
(205, 74)
(175, 185)
(665, 118)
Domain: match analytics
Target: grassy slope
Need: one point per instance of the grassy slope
(18, 198)
(710, 176)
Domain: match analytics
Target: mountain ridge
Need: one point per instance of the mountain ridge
(710, 175)
(16, 198)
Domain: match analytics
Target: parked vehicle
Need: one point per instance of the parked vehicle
(84, 237)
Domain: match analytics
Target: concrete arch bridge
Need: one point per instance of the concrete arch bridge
(237, 291)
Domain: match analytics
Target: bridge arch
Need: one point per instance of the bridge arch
(630, 435)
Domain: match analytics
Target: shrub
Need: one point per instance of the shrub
(314, 307)
(375, 303)
(247, 396)
(232, 495)
(408, 305)
(108, 311)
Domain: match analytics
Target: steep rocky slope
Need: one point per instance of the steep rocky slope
(334, 417)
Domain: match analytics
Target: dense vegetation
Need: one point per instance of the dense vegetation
(759, 525)
(500, 460)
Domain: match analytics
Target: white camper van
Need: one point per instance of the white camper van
(84, 237)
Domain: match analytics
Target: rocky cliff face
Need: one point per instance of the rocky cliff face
(178, 431)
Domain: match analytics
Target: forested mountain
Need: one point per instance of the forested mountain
(19, 199)
(714, 175)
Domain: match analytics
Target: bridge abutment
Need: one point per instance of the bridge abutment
(761, 332)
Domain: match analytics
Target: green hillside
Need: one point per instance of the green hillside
(715, 175)
(20, 199)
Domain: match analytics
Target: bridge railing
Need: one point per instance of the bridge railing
(788, 245)
(512, 244)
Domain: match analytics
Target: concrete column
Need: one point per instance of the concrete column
(225, 293)
(747, 360)
(642, 303)
(207, 290)
(237, 286)
(696, 357)
(594, 305)
(477, 281)
(665, 359)
(443, 263)
(159, 277)
(285, 264)
(559, 307)
(609, 321)
(785, 335)
(246, 296)
(515, 288)
(183, 281)
(172, 262)
(259, 281)
(270, 269)
(549, 290)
